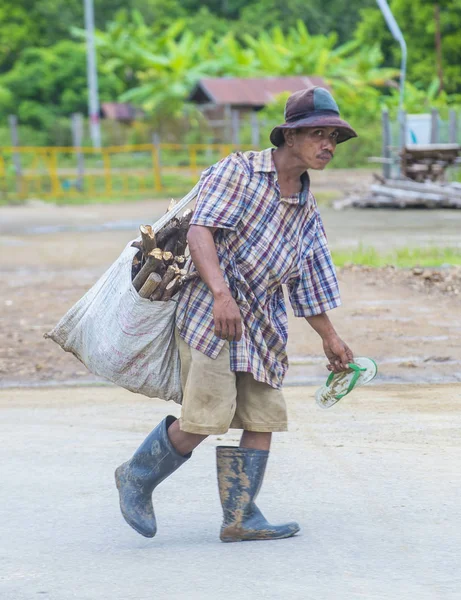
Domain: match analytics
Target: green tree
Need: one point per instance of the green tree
(49, 82)
(418, 24)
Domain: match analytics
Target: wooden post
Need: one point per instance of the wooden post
(156, 142)
(227, 124)
(434, 126)
(254, 130)
(13, 122)
(402, 140)
(77, 137)
(235, 127)
(453, 127)
(156, 162)
(386, 152)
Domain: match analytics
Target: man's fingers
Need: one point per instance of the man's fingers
(220, 329)
(231, 330)
(235, 330)
(238, 331)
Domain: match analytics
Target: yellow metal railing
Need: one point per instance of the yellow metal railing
(66, 172)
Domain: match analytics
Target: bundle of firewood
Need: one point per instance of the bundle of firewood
(158, 270)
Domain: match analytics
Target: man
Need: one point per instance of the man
(255, 227)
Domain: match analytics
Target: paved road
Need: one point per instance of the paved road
(374, 483)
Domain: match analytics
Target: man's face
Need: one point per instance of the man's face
(314, 147)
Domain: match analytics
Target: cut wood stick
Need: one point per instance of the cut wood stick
(190, 277)
(151, 284)
(169, 276)
(137, 245)
(148, 238)
(182, 233)
(172, 242)
(180, 261)
(172, 288)
(172, 204)
(170, 229)
(168, 258)
(153, 261)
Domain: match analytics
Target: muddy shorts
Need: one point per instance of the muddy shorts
(216, 398)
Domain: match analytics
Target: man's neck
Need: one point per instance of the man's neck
(288, 169)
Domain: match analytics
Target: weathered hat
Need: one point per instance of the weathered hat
(312, 107)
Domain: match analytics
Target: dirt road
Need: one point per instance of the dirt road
(51, 256)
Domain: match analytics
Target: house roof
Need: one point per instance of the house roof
(256, 92)
(118, 111)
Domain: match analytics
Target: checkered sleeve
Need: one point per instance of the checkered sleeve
(220, 200)
(316, 290)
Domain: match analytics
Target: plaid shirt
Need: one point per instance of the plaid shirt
(262, 240)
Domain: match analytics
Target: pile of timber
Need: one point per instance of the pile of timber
(404, 193)
(158, 269)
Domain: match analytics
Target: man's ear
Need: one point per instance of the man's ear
(289, 136)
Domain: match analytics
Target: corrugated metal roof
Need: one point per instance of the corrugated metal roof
(250, 92)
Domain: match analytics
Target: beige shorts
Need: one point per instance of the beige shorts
(216, 398)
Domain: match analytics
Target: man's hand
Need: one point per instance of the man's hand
(338, 353)
(227, 319)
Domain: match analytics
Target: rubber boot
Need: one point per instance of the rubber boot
(153, 461)
(240, 475)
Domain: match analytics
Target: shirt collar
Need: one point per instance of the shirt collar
(263, 161)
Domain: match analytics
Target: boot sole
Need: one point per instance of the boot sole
(227, 539)
(131, 524)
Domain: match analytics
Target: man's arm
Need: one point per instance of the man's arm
(338, 353)
(226, 314)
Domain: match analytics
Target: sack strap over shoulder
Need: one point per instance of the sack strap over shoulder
(176, 209)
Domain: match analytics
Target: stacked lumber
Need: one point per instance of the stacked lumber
(428, 162)
(157, 270)
(404, 193)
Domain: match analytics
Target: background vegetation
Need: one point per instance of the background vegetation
(153, 52)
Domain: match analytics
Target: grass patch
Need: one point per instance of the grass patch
(430, 256)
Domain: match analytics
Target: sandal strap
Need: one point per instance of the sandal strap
(357, 370)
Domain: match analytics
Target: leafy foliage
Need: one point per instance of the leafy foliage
(153, 52)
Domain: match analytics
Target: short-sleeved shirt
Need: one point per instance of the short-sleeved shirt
(263, 240)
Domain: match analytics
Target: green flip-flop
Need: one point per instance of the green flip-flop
(338, 385)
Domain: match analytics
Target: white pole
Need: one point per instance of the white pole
(398, 35)
(92, 75)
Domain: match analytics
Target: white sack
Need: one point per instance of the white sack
(127, 339)
(123, 337)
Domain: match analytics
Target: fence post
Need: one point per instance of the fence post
(53, 170)
(13, 123)
(236, 127)
(434, 126)
(227, 124)
(386, 152)
(77, 137)
(453, 127)
(402, 140)
(156, 162)
(254, 130)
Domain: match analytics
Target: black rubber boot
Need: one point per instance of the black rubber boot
(240, 475)
(153, 461)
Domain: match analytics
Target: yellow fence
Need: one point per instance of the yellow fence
(67, 172)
